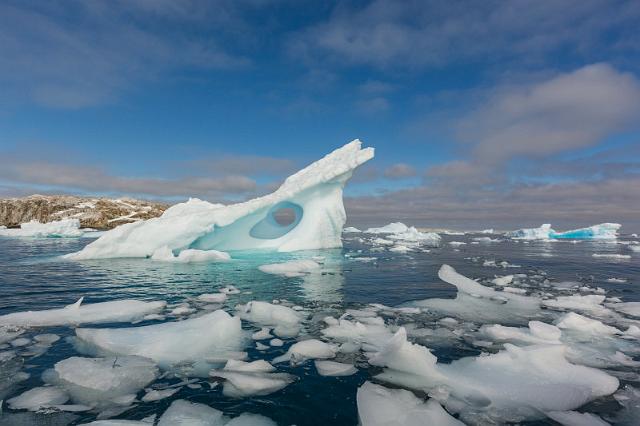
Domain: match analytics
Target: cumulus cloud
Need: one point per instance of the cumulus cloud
(570, 111)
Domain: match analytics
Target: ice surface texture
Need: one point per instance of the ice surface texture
(313, 196)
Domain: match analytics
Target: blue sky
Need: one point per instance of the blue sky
(482, 113)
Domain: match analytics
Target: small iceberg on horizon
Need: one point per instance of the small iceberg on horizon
(306, 212)
(65, 228)
(602, 231)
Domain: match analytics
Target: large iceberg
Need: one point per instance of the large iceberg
(603, 231)
(306, 212)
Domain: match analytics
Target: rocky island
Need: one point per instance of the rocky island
(97, 213)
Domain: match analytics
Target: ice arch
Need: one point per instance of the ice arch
(314, 194)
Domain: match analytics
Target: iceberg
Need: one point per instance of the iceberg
(66, 228)
(306, 212)
(603, 231)
(391, 228)
(541, 233)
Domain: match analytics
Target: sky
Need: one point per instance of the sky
(483, 114)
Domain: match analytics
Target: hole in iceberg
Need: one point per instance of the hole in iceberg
(280, 219)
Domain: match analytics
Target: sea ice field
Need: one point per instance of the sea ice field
(396, 327)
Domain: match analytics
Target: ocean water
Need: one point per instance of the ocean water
(33, 277)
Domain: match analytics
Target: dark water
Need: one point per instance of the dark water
(32, 278)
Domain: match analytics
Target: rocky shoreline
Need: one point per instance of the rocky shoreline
(97, 213)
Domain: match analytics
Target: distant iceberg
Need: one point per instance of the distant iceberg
(306, 212)
(66, 228)
(603, 231)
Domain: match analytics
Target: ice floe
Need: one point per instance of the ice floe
(37, 398)
(513, 385)
(286, 321)
(193, 346)
(127, 310)
(334, 369)
(243, 379)
(305, 350)
(391, 228)
(475, 302)
(311, 200)
(380, 406)
(99, 382)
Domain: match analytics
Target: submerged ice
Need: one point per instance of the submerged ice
(306, 212)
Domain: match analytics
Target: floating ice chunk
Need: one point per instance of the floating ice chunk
(629, 398)
(157, 395)
(382, 242)
(373, 336)
(293, 268)
(413, 235)
(244, 379)
(8, 333)
(37, 398)
(590, 303)
(391, 228)
(495, 386)
(575, 418)
(334, 369)
(127, 310)
(182, 412)
(486, 240)
(311, 199)
(216, 335)
(165, 254)
(264, 333)
(212, 298)
(66, 228)
(617, 280)
(19, 342)
(457, 243)
(582, 324)
(612, 256)
(603, 231)
(46, 338)
(537, 333)
(307, 349)
(276, 343)
(102, 381)
(400, 249)
(475, 302)
(541, 233)
(502, 281)
(380, 406)
(351, 230)
(629, 308)
(285, 320)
